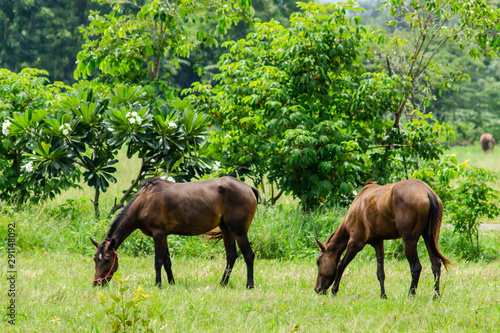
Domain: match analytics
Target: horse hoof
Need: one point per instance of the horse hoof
(250, 286)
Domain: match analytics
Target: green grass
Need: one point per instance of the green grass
(477, 158)
(56, 269)
(55, 295)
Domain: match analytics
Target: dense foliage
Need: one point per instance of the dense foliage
(28, 97)
(297, 104)
(463, 91)
(316, 105)
(83, 130)
(43, 34)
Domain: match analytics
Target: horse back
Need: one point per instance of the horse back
(391, 211)
(194, 208)
(371, 215)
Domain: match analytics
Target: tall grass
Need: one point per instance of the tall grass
(280, 232)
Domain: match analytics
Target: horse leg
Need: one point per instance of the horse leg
(167, 263)
(379, 253)
(352, 249)
(162, 258)
(410, 248)
(231, 253)
(249, 256)
(435, 264)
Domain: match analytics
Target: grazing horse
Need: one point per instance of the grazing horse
(487, 142)
(407, 209)
(161, 208)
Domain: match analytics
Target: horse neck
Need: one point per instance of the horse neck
(340, 237)
(122, 228)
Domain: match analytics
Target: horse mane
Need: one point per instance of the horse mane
(329, 238)
(147, 185)
(119, 217)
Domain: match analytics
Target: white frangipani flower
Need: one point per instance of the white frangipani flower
(5, 127)
(65, 129)
(169, 178)
(216, 166)
(133, 118)
(172, 125)
(28, 167)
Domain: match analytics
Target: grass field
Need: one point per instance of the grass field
(477, 158)
(55, 269)
(55, 295)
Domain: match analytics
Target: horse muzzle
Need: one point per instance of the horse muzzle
(320, 291)
(101, 282)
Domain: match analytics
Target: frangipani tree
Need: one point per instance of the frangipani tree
(26, 98)
(84, 132)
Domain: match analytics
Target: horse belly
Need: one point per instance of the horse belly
(386, 229)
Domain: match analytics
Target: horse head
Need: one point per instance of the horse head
(106, 261)
(327, 267)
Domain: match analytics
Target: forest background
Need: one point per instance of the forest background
(45, 35)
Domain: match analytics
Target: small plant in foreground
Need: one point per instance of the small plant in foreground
(126, 314)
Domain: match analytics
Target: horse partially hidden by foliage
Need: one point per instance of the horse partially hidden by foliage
(407, 209)
(161, 208)
(487, 142)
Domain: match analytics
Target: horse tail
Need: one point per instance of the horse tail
(256, 193)
(214, 235)
(433, 228)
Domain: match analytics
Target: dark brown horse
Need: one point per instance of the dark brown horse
(162, 208)
(487, 142)
(407, 210)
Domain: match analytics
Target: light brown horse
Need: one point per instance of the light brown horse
(487, 142)
(161, 208)
(407, 209)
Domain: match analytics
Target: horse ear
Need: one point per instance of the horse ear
(321, 246)
(96, 244)
(111, 244)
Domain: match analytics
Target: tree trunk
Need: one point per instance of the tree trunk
(119, 205)
(263, 189)
(96, 203)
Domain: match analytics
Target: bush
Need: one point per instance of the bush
(466, 194)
